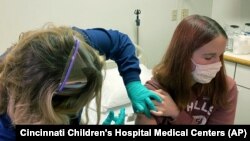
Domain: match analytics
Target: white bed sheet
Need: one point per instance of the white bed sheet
(114, 93)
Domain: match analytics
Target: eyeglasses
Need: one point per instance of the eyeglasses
(73, 79)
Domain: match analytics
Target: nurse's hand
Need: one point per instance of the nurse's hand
(119, 120)
(141, 98)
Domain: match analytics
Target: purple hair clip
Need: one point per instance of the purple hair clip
(71, 63)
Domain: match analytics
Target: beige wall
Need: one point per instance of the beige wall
(156, 26)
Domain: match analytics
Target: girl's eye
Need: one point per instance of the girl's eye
(208, 58)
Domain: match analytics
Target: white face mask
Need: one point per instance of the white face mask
(205, 73)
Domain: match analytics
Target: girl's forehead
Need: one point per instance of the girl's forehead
(217, 46)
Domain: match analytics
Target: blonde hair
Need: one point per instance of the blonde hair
(31, 72)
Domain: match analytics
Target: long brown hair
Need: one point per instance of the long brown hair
(31, 72)
(174, 70)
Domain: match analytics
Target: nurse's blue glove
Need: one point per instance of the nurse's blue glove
(118, 120)
(141, 98)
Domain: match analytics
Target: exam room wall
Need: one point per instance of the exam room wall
(225, 12)
(235, 12)
(155, 30)
(156, 27)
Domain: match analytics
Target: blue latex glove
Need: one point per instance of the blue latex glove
(118, 120)
(141, 98)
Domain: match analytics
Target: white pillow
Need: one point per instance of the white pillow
(114, 93)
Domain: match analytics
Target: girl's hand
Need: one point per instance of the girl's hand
(167, 107)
